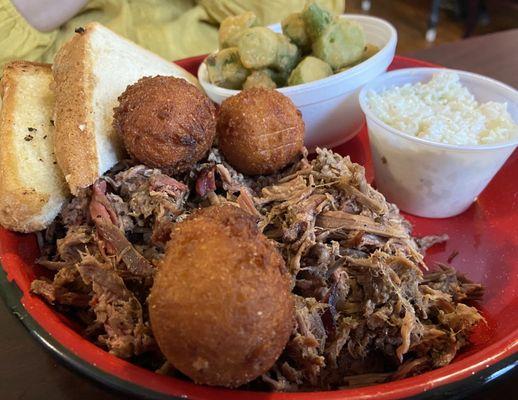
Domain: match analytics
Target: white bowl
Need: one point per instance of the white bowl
(431, 179)
(330, 106)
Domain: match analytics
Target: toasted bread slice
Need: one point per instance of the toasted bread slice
(90, 72)
(32, 187)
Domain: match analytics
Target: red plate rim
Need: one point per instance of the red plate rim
(14, 257)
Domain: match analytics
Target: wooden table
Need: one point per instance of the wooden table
(29, 372)
(494, 55)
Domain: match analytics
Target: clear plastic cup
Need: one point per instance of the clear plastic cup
(430, 179)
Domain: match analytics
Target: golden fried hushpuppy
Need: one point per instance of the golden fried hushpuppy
(260, 131)
(165, 122)
(221, 308)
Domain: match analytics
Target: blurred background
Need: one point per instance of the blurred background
(426, 23)
(35, 29)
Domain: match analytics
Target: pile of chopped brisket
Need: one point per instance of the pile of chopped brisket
(367, 309)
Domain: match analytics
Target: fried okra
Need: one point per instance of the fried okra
(257, 47)
(316, 20)
(309, 69)
(226, 70)
(231, 27)
(288, 55)
(342, 43)
(268, 59)
(260, 78)
(294, 28)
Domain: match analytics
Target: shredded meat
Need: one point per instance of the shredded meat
(206, 182)
(106, 259)
(117, 309)
(367, 308)
(336, 220)
(135, 262)
(55, 294)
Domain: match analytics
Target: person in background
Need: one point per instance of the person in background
(35, 29)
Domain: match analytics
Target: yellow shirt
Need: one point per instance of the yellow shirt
(174, 29)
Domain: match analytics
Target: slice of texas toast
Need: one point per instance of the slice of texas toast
(90, 72)
(32, 187)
